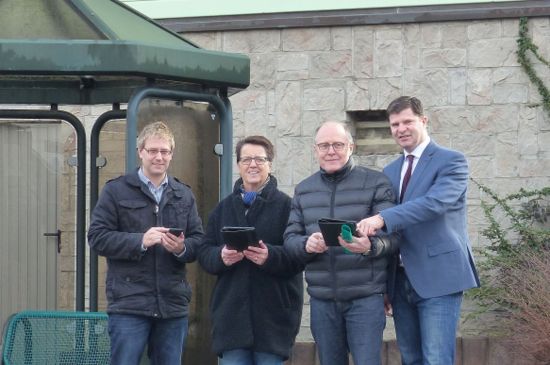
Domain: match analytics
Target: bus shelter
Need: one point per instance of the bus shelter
(78, 79)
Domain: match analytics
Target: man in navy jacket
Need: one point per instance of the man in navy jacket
(147, 293)
(435, 263)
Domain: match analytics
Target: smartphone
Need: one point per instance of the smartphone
(175, 231)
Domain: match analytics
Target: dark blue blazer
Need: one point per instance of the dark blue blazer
(435, 250)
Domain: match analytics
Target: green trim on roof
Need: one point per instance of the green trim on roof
(93, 50)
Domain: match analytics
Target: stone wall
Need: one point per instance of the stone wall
(477, 97)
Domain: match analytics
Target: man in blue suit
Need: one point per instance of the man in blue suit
(435, 263)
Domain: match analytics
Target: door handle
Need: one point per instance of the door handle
(55, 234)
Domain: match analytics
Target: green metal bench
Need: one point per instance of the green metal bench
(56, 337)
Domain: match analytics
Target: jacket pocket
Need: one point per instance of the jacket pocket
(133, 214)
(440, 248)
(128, 285)
(175, 214)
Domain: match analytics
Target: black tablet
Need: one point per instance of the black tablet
(239, 238)
(331, 228)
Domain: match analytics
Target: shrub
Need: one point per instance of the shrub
(515, 269)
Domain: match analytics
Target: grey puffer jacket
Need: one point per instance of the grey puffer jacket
(150, 283)
(352, 193)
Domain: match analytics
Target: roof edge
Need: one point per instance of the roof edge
(369, 16)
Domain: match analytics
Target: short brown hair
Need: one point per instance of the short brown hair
(156, 129)
(257, 140)
(405, 102)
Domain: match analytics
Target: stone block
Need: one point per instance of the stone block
(389, 33)
(544, 141)
(329, 98)
(510, 27)
(288, 108)
(384, 90)
(492, 53)
(479, 87)
(442, 139)
(430, 86)
(455, 34)
(292, 75)
(306, 39)
(445, 57)
(258, 41)
(341, 38)
(363, 51)
(497, 118)
(457, 80)
(256, 122)
(284, 155)
(474, 144)
(238, 124)
(412, 34)
(509, 75)
(388, 58)
(302, 160)
(535, 167)
(484, 30)
(291, 61)
(528, 142)
(482, 166)
(510, 93)
(330, 65)
(310, 121)
(451, 119)
(508, 165)
(411, 57)
(251, 98)
(262, 70)
(358, 95)
(431, 35)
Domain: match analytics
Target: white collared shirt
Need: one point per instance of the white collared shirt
(417, 153)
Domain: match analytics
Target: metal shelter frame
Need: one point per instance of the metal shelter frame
(104, 52)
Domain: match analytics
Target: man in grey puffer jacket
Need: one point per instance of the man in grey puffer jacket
(346, 283)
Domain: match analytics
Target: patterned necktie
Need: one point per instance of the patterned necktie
(407, 177)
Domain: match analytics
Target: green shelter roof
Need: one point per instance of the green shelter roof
(99, 51)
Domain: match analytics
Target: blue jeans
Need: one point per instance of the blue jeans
(425, 328)
(129, 334)
(248, 357)
(341, 327)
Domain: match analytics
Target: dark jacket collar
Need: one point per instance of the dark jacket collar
(340, 174)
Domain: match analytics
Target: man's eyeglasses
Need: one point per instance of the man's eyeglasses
(248, 160)
(336, 146)
(154, 151)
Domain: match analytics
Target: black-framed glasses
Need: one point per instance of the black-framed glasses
(155, 151)
(336, 146)
(260, 160)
